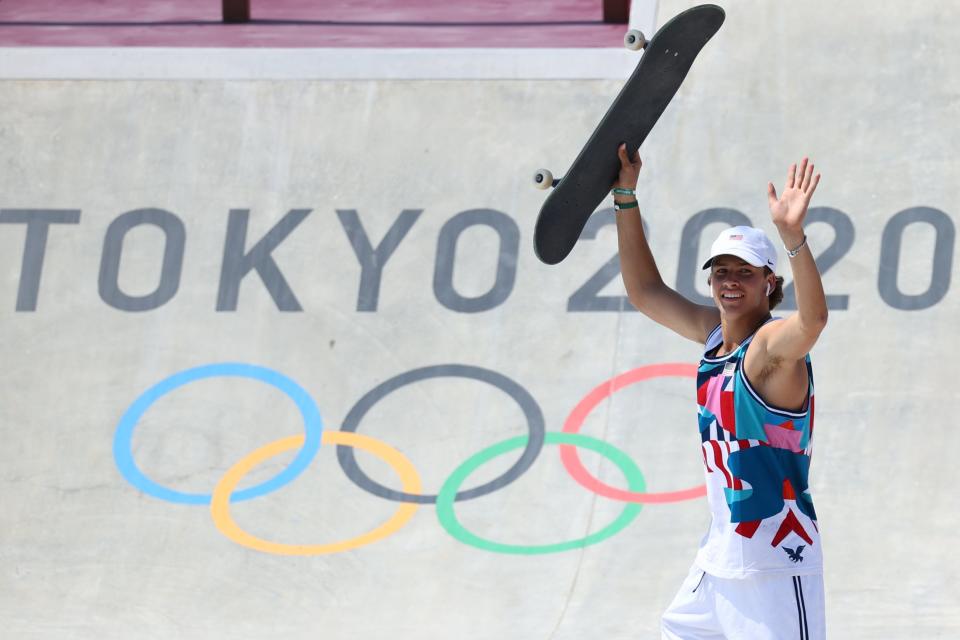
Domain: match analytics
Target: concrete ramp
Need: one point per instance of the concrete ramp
(321, 297)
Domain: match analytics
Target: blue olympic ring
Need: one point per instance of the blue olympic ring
(123, 439)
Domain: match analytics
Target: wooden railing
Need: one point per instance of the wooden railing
(614, 11)
(236, 10)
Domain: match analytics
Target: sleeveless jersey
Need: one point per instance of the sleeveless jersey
(756, 459)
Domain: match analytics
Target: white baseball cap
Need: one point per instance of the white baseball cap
(747, 243)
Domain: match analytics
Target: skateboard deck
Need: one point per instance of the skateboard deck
(666, 60)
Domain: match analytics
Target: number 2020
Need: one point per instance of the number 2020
(587, 298)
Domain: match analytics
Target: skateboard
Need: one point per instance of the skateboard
(666, 60)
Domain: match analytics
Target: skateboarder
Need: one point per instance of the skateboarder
(758, 571)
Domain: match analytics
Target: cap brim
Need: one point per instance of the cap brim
(748, 256)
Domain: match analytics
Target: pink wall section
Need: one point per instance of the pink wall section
(309, 23)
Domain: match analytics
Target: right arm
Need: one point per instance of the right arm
(645, 287)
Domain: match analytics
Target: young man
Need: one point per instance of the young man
(758, 572)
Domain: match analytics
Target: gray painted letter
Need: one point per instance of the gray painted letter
(509, 234)
(842, 242)
(890, 258)
(176, 238)
(373, 260)
(587, 297)
(38, 223)
(237, 264)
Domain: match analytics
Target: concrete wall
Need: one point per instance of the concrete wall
(408, 217)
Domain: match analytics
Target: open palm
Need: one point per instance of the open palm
(789, 210)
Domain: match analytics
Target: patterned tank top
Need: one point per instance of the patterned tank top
(756, 459)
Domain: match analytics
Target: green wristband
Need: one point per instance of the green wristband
(620, 206)
(624, 192)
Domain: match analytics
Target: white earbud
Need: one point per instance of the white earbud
(769, 288)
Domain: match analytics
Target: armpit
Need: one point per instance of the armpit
(770, 367)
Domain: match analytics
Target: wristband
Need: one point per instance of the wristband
(624, 192)
(620, 206)
(792, 253)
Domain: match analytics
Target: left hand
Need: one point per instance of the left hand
(789, 210)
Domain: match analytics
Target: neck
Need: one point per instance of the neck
(739, 328)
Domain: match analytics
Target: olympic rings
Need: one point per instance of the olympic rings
(347, 439)
(534, 441)
(448, 517)
(220, 504)
(123, 438)
(571, 459)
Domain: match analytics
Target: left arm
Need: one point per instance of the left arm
(792, 339)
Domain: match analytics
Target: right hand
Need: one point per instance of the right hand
(629, 170)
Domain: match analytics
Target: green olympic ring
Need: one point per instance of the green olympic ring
(448, 492)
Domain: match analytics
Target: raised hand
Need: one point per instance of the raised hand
(789, 210)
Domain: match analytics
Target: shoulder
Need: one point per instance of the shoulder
(760, 361)
(770, 328)
(714, 337)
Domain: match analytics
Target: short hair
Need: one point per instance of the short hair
(776, 296)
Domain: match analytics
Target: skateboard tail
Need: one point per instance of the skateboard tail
(560, 239)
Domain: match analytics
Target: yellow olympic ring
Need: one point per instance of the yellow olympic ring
(220, 502)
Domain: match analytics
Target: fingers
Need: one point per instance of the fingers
(813, 186)
(622, 153)
(801, 172)
(802, 177)
(771, 194)
(807, 176)
(625, 161)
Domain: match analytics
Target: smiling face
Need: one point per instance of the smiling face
(738, 287)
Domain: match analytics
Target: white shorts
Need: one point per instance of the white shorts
(765, 607)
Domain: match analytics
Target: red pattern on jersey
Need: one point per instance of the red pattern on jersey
(702, 394)
(788, 492)
(728, 417)
(747, 529)
(718, 460)
(790, 523)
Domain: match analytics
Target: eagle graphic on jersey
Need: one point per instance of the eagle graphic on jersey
(794, 554)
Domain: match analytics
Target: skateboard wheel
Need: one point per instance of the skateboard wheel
(634, 40)
(542, 179)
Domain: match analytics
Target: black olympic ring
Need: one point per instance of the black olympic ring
(535, 426)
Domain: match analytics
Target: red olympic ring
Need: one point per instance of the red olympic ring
(571, 459)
